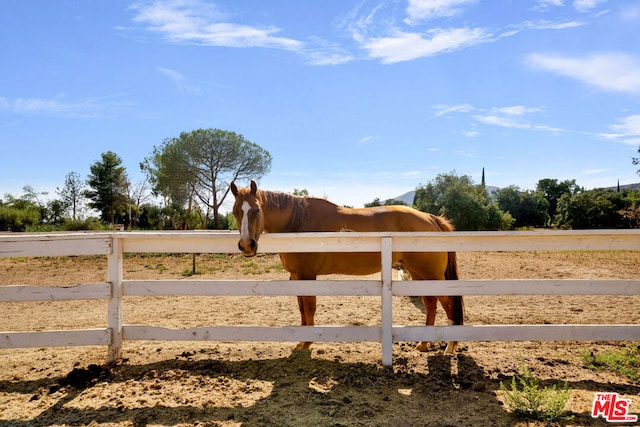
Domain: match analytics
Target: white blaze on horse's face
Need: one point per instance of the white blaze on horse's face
(249, 219)
(244, 227)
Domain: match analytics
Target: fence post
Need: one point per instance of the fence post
(114, 267)
(387, 318)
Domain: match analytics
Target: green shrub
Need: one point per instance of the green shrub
(625, 362)
(527, 399)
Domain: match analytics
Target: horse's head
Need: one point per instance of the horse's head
(249, 216)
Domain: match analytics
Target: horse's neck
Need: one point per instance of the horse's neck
(275, 221)
(277, 214)
(297, 216)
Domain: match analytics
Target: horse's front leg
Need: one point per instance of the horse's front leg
(307, 306)
(430, 304)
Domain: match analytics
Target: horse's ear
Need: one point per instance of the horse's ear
(254, 188)
(234, 189)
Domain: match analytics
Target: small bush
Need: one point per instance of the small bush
(527, 399)
(625, 362)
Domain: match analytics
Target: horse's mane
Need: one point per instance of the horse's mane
(276, 200)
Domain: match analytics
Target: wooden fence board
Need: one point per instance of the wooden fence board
(21, 293)
(251, 287)
(518, 333)
(13, 245)
(255, 333)
(55, 338)
(517, 287)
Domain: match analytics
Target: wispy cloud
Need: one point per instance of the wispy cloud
(511, 117)
(516, 117)
(630, 13)
(579, 5)
(587, 5)
(551, 25)
(196, 22)
(365, 141)
(180, 81)
(444, 109)
(382, 37)
(95, 107)
(402, 46)
(419, 10)
(617, 72)
(627, 130)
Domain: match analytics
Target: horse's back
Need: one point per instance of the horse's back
(327, 217)
(394, 218)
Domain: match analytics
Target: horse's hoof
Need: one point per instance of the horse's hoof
(450, 350)
(425, 346)
(303, 346)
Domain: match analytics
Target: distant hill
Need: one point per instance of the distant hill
(635, 186)
(410, 195)
(407, 197)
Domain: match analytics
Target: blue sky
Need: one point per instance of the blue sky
(353, 99)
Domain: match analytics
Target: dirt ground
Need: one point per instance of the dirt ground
(268, 384)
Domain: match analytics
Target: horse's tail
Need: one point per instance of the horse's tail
(452, 274)
(452, 267)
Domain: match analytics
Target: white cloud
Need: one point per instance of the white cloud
(579, 5)
(630, 125)
(402, 46)
(180, 81)
(551, 25)
(516, 110)
(617, 72)
(419, 10)
(627, 130)
(193, 21)
(631, 13)
(505, 121)
(95, 107)
(512, 117)
(365, 140)
(586, 5)
(443, 109)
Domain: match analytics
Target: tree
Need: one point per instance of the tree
(72, 193)
(108, 183)
(592, 209)
(137, 193)
(553, 190)
(388, 202)
(467, 205)
(18, 214)
(528, 208)
(202, 164)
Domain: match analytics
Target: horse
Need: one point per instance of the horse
(257, 211)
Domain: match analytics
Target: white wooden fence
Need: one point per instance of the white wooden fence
(114, 244)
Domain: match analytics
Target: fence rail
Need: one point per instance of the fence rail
(114, 244)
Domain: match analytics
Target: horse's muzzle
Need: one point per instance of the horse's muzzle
(249, 248)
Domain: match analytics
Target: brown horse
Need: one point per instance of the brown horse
(275, 212)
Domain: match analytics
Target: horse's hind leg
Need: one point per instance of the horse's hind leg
(430, 304)
(307, 306)
(453, 307)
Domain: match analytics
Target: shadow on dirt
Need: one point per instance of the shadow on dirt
(301, 391)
